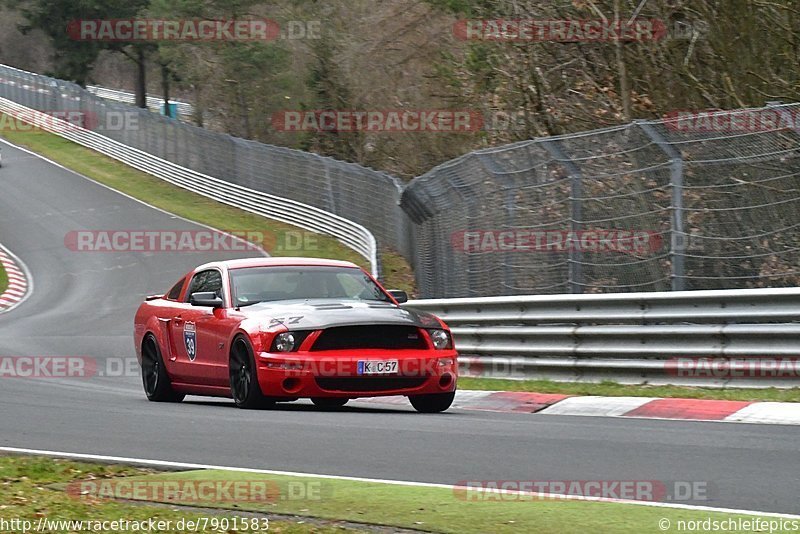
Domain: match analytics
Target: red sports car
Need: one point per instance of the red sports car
(267, 330)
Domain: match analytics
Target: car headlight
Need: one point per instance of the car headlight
(441, 339)
(284, 342)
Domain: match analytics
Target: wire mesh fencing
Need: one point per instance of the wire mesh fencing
(368, 197)
(698, 200)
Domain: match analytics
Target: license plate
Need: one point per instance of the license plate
(377, 367)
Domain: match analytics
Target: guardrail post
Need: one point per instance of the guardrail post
(575, 261)
(677, 234)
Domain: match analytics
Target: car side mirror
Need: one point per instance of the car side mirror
(399, 295)
(210, 300)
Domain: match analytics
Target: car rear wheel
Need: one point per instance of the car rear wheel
(329, 403)
(156, 383)
(433, 403)
(245, 390)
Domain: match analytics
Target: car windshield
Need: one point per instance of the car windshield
(267, 284)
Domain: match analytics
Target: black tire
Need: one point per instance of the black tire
(157, 385)
(329, 403)
(433, 403)
(245, 390)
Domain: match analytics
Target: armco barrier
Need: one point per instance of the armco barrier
(281, 209)
(627, 337)
(153, 102)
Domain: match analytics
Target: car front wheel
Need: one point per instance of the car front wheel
(245, 390)
(433, 403)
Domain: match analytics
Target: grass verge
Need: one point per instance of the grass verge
(397, 272)
(35, 487)
(29, 492)
(613, 389)
(3, 279)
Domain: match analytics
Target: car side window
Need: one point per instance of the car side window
(175, 292)
(206, 282)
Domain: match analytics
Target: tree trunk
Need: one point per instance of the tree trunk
(622, 70)
(248, 134)
(141, 79)
(165, 90)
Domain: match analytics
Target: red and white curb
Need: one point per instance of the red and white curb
(781, 413)
(18, 281)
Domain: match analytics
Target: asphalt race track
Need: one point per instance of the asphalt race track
(83, 305)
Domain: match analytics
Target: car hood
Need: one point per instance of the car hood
(327, 313)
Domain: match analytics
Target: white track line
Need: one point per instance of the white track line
(191, 466)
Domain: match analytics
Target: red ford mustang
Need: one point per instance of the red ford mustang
(277, 329)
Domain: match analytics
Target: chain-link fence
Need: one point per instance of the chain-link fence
(363, 195)
(698, 201)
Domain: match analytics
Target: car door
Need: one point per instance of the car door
(198, 356)
(169, 307)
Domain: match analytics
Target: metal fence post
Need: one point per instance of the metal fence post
(576, 278)
(677, 234)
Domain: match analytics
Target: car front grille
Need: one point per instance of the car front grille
(370, 337)
(370, 384)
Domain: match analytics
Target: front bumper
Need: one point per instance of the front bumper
(335, 373)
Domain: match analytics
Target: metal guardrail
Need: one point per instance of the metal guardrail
(355, 193)
(629, 337)
(115, 95)
(274, 207)
(125, 97)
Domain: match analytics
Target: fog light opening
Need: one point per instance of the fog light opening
(291, 385)
(445, 381)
